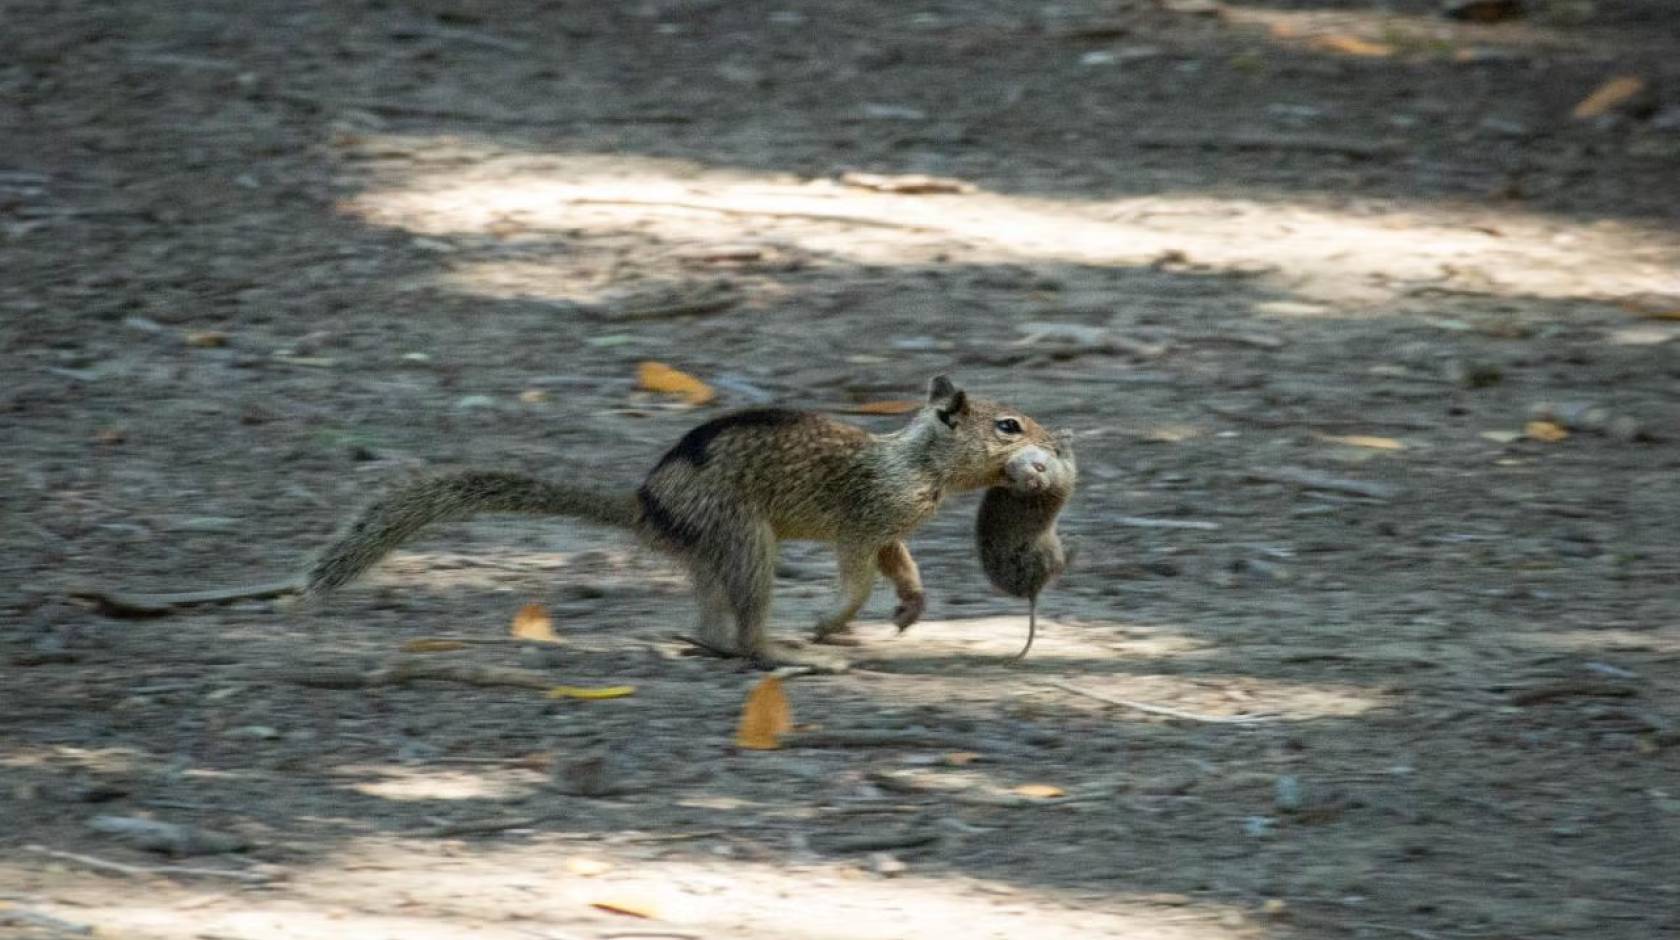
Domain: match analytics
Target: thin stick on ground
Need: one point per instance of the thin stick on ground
(471, 827)
(130, 604)
(835, 217)
(1313, 480)
(406, 671)
(1161, 710)
(172, 871)
(895, 738)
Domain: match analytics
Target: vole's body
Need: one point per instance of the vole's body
(1016, 527)
(723, 497)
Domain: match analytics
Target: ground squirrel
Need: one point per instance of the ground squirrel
(733, 488)
(1016, 527)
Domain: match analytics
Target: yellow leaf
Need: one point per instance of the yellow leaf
(634, 907)
(961, 758)
(1353, 45)
(1038, 791)
(1548, 432)
(587, 867)
(891, 406)
(1607, 96)
(578, 691)
(1365, 440)
(765, 718)
(207, 339)
(430, 645)
(533, 623)
(659, 377)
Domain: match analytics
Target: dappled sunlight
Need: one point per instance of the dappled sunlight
(431, 783)
(1605, 641)
(427, 889)
(500, 224)
(1153, 665)
(1382, 33)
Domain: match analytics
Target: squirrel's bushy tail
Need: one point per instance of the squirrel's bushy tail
(400, 514)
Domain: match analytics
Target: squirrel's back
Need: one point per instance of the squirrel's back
(807, 475)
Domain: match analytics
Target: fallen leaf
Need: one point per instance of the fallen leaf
(1038, 791)
(1548, 432)
(910, 184)
(724, 253)
(1502, 437)
(894, 406)
(1607, 96)
(1364, 440)
(533, 623)
(432, 646)
(1353, 45)
(961, 758)
(765, 717)
(587, 867)
(207, 339)
(533, 396)
(578, 691)
(659, 377)
(634, 907)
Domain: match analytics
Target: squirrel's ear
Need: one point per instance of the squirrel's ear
(953, 408)
(940, 389)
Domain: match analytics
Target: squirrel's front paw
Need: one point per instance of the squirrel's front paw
(909, 610)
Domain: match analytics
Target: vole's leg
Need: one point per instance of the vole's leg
(857, 578)
(895, 562)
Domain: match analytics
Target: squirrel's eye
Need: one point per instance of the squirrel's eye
(1009, 426)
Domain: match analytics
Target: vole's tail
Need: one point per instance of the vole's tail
(399, 515)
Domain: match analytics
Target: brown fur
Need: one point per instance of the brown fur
(731, 490)
(1016, 527)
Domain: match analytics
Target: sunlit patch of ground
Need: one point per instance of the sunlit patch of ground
(1126, 664)
(447, 890)
(431, 783)
(1356, 258)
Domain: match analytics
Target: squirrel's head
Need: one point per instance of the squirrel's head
(985, 443)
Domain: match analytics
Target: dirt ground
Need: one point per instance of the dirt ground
(1298, 273)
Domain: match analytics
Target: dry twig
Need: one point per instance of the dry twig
(126, 604)
(172, 871)
(837, 217)
(895, 738)
(1314, 480)
(404, 671)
